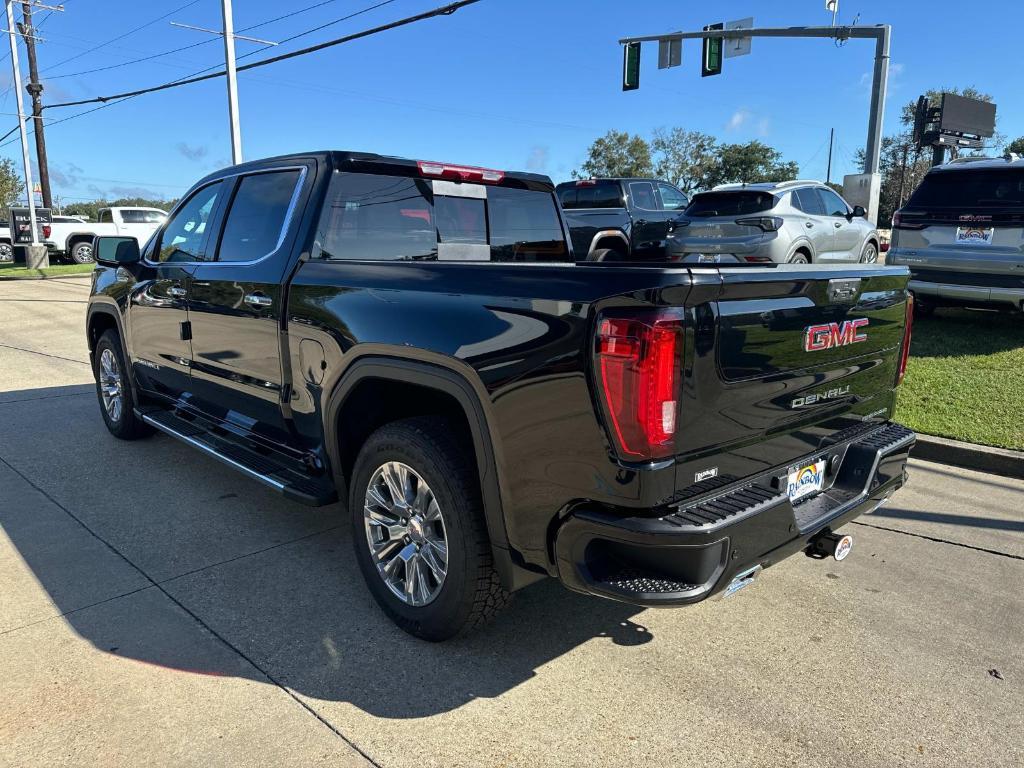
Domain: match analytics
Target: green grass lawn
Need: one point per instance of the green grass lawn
(965, 378)
(12, 271)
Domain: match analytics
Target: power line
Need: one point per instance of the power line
(191, 45)
(445, 10)
(122, 35)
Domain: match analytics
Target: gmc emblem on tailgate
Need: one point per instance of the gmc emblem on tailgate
(829, 335)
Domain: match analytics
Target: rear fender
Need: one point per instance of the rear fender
(471, 398)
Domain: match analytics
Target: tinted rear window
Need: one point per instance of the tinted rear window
(971, 190)
(395, 218)
(736, 203)
(596, 194)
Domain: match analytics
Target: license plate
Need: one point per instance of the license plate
(974, 235)
(806, 480)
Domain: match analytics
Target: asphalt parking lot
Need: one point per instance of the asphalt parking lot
(157, 608)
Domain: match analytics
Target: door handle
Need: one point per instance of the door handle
(838, 224)
(177, 292)
(809, 224)
(258, 300)
(640, 222)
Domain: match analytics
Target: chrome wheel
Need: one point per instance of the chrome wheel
(111, 385)
(406, 533)
(82, 253)
(870, 255)
(6, 252)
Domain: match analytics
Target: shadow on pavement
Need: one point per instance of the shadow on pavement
(947, 519)
(275, 580)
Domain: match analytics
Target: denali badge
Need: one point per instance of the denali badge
(816, 397)
(705, 474)
(828, 335)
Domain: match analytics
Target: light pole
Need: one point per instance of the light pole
(11, 33)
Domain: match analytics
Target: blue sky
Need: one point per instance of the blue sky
(516, 84)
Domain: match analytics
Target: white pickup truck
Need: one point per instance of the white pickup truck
(73, 239)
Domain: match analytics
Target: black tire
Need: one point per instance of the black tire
(123, 423)
(471, 592)
(81, 252)
(606, 254)
(799, 258)
(923, 308)
(870, 253)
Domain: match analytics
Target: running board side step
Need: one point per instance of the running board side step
(289, 482)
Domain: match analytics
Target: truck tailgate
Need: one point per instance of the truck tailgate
(784, 357)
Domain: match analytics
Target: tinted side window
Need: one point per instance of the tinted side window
(807, 200)
(594, 194)
(524, 226)
(255, 223)
(641, 194)
(136, 216)
(834, 205)
(106, 217)
(183, 237)
(671, 198)
(567, 197)
(378, 217)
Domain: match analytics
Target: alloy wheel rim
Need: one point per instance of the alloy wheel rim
(406, 533)
(110, 385)
(85, 252)
(870, 255)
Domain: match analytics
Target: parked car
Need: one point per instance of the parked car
(802, 222)
(962, 235)
(72, 237)
(417, 339)
(619, 219)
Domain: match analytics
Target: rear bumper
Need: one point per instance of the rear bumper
(966, 294)
(696, 547)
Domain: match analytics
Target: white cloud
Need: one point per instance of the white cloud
(537, 160)
(738, 119)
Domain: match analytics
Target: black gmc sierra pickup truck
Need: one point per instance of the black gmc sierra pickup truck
(416, 339)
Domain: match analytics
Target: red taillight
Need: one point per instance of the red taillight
(639, 369)
(586, 183)
(758, 259)
(46, 230)
(460, 172)
(905, 349)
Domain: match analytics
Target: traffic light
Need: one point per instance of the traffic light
(711, 60)
(631, 66)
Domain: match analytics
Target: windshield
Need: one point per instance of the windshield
(970, 189)
(731, 203)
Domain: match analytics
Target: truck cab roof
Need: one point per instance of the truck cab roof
(369, 162)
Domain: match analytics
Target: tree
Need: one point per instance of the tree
(1016, 146)
(751, 162)
(11, 186)
(685, 158)
(90, 209)
(617, 153)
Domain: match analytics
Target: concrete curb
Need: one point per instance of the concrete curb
(81, 276)
(998, 461)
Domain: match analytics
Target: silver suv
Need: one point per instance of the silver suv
(962, 235)
(789, 221)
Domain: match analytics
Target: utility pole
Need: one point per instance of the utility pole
(229, 60)
(21, 127)
(828, 173)
(229, 66)
(35, 90)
